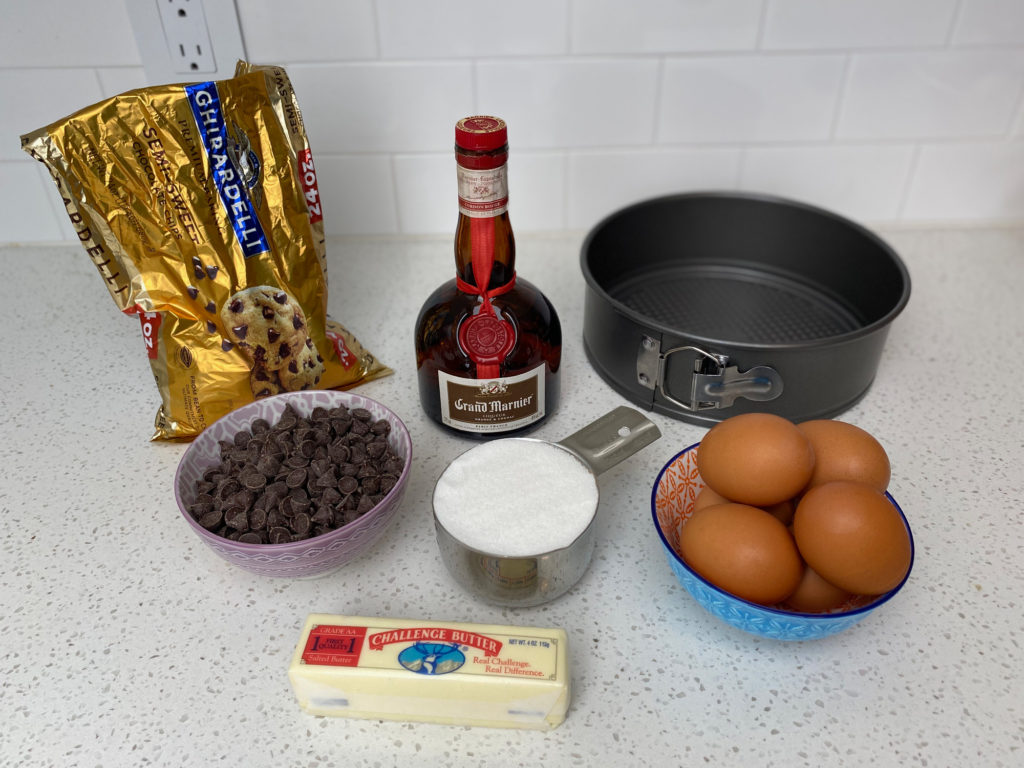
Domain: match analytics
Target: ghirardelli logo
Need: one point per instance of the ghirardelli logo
(239, 149)
(234, 167)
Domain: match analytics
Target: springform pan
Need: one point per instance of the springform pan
(705, 305)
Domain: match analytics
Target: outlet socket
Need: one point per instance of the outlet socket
(186, 40)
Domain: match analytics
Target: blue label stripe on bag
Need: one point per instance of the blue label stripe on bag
(205, 102)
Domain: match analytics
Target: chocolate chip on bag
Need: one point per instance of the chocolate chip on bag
(301, 477)
(228, 274)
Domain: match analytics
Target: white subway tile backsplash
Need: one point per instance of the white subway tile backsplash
(116, 80)
(461, 28)
(949, 94)
(864, 182)
(664, 26)
(426, 191)
(749, 98)
(602, 182)
(358, 194)
(536, 191)
(26, 213)
(59, 33)
(882, 110)
(390, 107)
(968, 181)
(559, 103)
(34, 98)
(829, 24)
(311, 30)
(990, 22)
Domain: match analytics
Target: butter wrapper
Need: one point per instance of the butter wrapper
(198, 203)
(449, 673)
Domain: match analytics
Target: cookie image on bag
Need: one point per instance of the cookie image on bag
(304, 370)
(264, 383)
(267, 323)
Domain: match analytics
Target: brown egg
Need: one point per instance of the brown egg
(708, 498)
(755, 458)
(743, 550)
(853, 537)
(815, 595)
(843, 451)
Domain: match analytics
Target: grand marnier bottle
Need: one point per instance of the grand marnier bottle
(488, 343)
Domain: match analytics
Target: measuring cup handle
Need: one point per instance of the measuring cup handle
(612, 438)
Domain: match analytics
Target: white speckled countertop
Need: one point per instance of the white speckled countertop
(125, 642)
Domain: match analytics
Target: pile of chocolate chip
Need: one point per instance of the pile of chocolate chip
(301, 477)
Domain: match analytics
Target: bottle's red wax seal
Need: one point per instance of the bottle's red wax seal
(486, 338)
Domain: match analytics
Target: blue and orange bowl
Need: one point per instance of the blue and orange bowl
(672, 501)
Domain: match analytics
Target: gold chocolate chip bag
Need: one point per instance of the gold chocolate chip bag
(199, 206)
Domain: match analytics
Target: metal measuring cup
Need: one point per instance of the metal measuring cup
(522, 581)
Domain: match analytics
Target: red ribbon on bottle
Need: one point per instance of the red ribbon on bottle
(469, 288)
(486, 337)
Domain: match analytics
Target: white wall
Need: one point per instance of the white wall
(887, 111)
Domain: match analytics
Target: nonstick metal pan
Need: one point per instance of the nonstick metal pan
(702, 306)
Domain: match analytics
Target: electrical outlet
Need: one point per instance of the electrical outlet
(188, 40)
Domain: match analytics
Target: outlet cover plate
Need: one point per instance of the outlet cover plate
(218, 63)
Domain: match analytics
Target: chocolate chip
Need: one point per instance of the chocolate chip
(296, 478)
(240, 331)
(281, 297)
(254, 481)
(297, 323)
(273, 334)
(279, 535)
(226, 345)
(211, 307)
(339, 453)
(324, 516)
(250, 537)
(211, 519)
(268, 465)
(197, 268)
(237, 518)
(258, 519)
(212, 270)
(193, 292)
(235, 305)
(301, 524)
(211, 327)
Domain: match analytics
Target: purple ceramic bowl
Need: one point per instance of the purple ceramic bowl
(309, 558)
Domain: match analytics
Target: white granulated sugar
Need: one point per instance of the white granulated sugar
(515, 497)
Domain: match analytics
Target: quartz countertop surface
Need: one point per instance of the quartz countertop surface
(126, 642)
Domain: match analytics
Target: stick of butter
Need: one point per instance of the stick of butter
(430, 671)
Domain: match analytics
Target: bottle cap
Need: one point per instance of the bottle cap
(481, 133)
